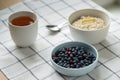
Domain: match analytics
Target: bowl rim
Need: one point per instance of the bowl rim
(90, 9)
(85, 67)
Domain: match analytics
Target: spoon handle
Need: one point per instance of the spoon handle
(62, 25)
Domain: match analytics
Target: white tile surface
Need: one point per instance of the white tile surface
(98, 46)
(118, 73)
(4, 11)
(68, 77)
(7, 60)
(117, 34)
(43, 71)
(92, 3)
(50, 1)
(54, 76)
(2, 27)
(25, 76)
(57, 6)
(46, 54)
(10, 45)
(115, 62)
(5, 16)
(85, 77)
(66, 30)
(3, 51)
(81, 6)
(34, 4)
(71, 2)
(43, 31)
(113, 77)
(105, 55)
(115, 48)
(22, 53)
(14, 70)
(56, 38)
(20, 7)
(40, 45)
(6, 21)
(5, 36)
(41, 22)
(114, 27)
(110, 39)
(44, 11)
(51, 19)
(100, 73)
(66, 12)
(33, 61)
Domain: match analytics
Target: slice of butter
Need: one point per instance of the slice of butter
(88, 20)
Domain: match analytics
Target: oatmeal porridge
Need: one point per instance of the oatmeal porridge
(88, 23)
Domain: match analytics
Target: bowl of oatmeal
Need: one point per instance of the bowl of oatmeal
(89, 25)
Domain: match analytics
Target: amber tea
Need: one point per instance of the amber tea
(22, 21)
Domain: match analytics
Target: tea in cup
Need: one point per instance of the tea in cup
(23, 26)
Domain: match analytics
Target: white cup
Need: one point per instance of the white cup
(23, 36)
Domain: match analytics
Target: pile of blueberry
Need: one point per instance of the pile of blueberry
(73, 57)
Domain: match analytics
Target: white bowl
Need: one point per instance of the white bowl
(89, 36)
(75, 71)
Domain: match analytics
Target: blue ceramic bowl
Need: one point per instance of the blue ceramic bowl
(75, 71)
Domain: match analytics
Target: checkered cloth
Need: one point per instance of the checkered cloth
(33, 63)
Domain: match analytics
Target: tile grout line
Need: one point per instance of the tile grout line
(110, 70)
(36, 12)
(20, 62)
(110, 50)
(41, 57)
(109, 60)
(53, 9)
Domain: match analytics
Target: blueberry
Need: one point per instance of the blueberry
(70, 49)
(56, 60)
(73, 49)
(71, 66)
(67, 49)
(80, 57)
(62, 55)
(73, 57)
(69, 58)
(68, 66)
(78, 52)
(69, 53)
(60, 63)
(71, 61)
(65, 58)
(65, 64)
(79, 64)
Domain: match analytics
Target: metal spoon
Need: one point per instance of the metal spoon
(55, 28)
